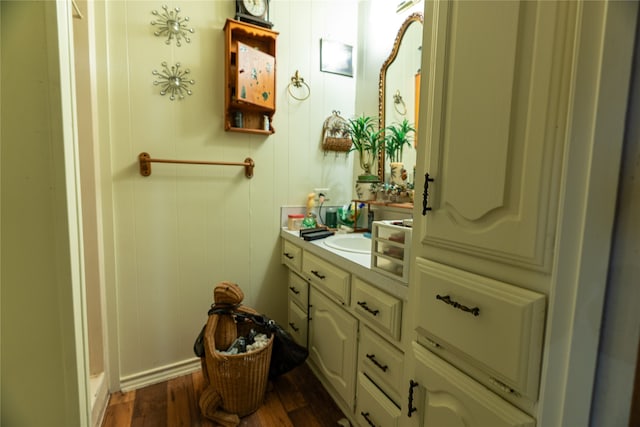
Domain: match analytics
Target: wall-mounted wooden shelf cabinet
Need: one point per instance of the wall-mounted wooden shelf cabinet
(250, 78)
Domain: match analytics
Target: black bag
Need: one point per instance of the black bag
(286, 353)
(198, 345)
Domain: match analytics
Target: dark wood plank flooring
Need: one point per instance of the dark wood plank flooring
(296, 399)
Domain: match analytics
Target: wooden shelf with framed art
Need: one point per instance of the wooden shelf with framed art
(250, 78)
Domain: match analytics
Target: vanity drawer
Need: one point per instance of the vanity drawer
(380, 309)
(493, 325)
(291, 255)
(373, 408)
(298, 323)
(329, 278)
(446, 396)
(381, 362)
(298, 290)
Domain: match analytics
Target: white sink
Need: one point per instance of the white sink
(356, 243)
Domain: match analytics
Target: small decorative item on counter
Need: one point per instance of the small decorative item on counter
(331, 218)
(310, 219)
(294, 221)
(347, 214)
(396, 193)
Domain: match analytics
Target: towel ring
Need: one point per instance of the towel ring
(398, 102)
(298, 82)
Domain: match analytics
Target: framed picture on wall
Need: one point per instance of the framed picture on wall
(336, 57)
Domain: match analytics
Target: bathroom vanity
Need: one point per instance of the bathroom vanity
(351, 318)
(356, 322)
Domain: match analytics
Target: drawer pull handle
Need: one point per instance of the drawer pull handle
(412, 409)
(432, 343)
(372, 357)
(318, 275)
(294, 290)
(425, 194)
(364, 305)
(366, 417)
(447, 299)
(288, 255)
(293, 326)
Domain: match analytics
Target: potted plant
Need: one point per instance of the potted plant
(398, 136)
(366, 140)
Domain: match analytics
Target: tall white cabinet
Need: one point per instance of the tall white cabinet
(492, 137)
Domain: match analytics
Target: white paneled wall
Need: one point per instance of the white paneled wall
(186, 227)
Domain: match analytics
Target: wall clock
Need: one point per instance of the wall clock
(254, 12)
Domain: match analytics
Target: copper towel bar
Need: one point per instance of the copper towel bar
(145, 164)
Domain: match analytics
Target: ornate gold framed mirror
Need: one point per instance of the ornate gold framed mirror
(399, 85)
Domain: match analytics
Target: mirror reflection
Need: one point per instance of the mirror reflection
(399, 93)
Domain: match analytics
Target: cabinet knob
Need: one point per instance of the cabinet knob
(288, 255)
(425, 194)
(293, 326)
(294, 290)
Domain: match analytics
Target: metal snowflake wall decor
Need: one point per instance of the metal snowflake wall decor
(171, 25)
(173, 81)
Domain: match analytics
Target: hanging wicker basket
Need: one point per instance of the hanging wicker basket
(335, 134)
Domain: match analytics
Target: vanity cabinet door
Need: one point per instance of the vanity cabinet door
(332, 344)
(492, 134)
(441, 395)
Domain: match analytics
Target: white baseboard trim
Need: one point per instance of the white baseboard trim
(158, 375)
(99, 399)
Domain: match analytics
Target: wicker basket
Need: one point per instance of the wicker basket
(239, 379)
(336, 144)
(335, 134)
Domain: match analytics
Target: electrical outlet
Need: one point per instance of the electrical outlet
(319, 191)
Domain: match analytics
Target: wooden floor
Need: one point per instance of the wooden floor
(296, 399)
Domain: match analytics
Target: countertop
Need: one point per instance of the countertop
(355, 263)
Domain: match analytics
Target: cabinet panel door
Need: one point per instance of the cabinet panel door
(332, 343)
(256, 77)
(446, 397)
(494, 130)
